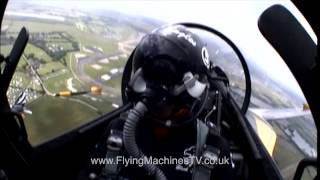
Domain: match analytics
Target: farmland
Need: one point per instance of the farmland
(73, 55)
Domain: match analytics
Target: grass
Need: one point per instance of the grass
(50, 67)
(21, 65)
(71, 63)
(58, 83)
(20, 77)
(5, 50)
(30, 49)
(84, 38)
(115, 82)
(38, 53)
(69, 60)
(78, 85)
(124, 31)
(54, 116)
(101, 102)
(34, 26)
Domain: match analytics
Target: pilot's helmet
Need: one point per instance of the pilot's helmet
(170, 66)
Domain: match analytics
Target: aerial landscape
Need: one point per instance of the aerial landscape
(70, 50)
(74, 50)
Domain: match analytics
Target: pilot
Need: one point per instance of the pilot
(172, 130)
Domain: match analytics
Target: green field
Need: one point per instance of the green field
(39, 53)
(84, 38)
(5, 50)
(50, 67)
(54, 116)
(30, 49)
(71, 63)
(115, 82)
(57, 83)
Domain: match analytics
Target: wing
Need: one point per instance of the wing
(259, 118)
(277, 114)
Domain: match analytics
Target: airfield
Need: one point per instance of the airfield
(68, 53)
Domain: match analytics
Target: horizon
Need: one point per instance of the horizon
(239, 23)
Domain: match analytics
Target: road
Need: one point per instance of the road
(83, 76)
(124, 48)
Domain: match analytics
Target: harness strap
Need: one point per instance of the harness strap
(114, 147)
(200, 171)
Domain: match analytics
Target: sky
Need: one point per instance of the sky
(236, 19)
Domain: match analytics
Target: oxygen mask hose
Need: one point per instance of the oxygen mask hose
(129, 138)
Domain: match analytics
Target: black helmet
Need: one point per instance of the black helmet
(170, 67)
(169, 52)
